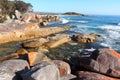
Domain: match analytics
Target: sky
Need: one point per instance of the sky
(100, 7)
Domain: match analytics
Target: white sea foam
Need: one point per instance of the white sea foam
(83, 21)
(86, 51)
(80, 29)
(110, 36)
(63, 21)
(113, 32)
(79, 21)
(110, 27)
(105, 45)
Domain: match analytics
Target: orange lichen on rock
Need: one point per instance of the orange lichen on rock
(33, 16)
(21, 52)
(32, 26)
(31, 57)
(26, 19)
(114, 53)
(62, 71)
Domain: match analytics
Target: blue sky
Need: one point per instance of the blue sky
(106, 7)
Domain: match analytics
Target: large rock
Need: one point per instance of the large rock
(17, 35)
(44, 23)
(85, 75)
(32, 26)
(64, 68)
(42, 50)
(35, 58)
(85, 38)
(34, 43)
(18, 15)
(19, 54)
(28, 16)
(49, 42)
(43, 71)
(57, 40)
(17, 26)
(10, 70)
(21, 51)
(8, 57)
(103, 61)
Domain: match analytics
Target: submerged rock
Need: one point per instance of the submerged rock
(42, 71)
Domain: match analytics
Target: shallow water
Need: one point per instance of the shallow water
(9, 48)
(64, 52)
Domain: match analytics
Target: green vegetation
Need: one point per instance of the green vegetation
(8, 7)
(73, 13)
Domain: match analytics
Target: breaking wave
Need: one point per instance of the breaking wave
(63, 20)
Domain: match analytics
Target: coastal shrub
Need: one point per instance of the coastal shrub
(8, 7)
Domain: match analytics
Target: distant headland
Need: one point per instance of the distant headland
(73, 13)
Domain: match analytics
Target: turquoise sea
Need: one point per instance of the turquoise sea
(107, 26)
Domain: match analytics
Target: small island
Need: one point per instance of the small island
(73, 13)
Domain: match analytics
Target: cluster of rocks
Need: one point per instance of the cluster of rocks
(48, 42)
(58, 39)
(34, 66)
(99, 64)
(17, 31)
(85, 38)
(43, 20)
(28, 17)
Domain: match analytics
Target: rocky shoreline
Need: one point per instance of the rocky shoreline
(25, 64)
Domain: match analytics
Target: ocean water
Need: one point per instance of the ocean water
(107, 26)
